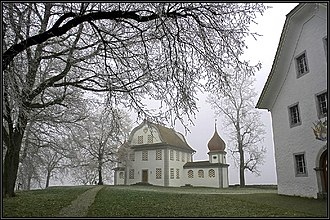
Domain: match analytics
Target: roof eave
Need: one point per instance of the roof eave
(260, 104)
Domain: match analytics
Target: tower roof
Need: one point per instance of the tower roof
(216, 143)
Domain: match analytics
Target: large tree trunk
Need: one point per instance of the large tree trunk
(100, 173)
(48, 178)
(11, 163)
(240, 150)
(241, 166)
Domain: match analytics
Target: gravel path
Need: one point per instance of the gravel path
(79, 207)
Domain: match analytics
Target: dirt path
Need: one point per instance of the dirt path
(79, 207)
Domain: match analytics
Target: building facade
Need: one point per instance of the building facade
(296, 95)
(157, 155)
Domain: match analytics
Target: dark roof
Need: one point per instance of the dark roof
(168, 136)
(203, 164)
(216, 144)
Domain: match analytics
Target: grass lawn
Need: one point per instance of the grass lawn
(151, 201)
(41, 203)
(180, 202)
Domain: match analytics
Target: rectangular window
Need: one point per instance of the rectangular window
(131, 173)
(177, 173)
(301, 64)
(171, 155)
(172, 173)
(177, 155)
(144, 155)
(158, 173)
(150, 139)
(132, 156)
(294, 115)
(183, 156)
(140, 139)
(322, 104)
(300, 165)
(158, 154)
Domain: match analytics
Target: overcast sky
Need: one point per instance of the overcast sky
(270, 26)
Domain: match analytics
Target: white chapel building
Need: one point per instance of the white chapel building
(157, 155)
(296, 95)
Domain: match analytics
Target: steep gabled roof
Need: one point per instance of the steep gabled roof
(275, 77)
(168, 136)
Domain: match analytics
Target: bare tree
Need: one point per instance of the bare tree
(97, 140)
(129, 50)
(246, 131)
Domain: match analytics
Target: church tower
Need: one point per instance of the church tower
(216, 145)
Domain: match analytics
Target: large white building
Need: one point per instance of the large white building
(157, 155)
(296, 95)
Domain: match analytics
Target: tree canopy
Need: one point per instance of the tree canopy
(130, 51)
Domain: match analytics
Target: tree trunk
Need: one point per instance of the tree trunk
(11, 164)
(29, 179)
(100, 173)
(240, 150)
(241, 166)
(48, 178)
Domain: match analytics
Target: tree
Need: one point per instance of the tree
(97, 139)
(246, 130)
(131, 51)
(44, 149)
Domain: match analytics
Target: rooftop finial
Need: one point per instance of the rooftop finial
(215, 124)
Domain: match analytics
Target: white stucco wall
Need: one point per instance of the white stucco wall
(151, 164)
(177, 165)
(217, 157)
(144, 131)
(300, 139)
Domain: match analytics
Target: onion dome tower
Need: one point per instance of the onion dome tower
(216, 147)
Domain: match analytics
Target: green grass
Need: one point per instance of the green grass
(151, 201)
(165, 202)
(41, 203)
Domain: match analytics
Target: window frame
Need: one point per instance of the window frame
(190, 174)
(211, 173)
(290, 116)
(131, 174)
(150, 139)
(158, 173)
(177, 174)
(140, 139)
(145, 155)
(132, 156)
(305, 174)
(159, 154)
(171, 154)
(318, 109)
(297, 65)
(172, 173)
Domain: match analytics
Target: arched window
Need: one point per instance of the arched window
(201, 173)
(190, 174)
(211, 173)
